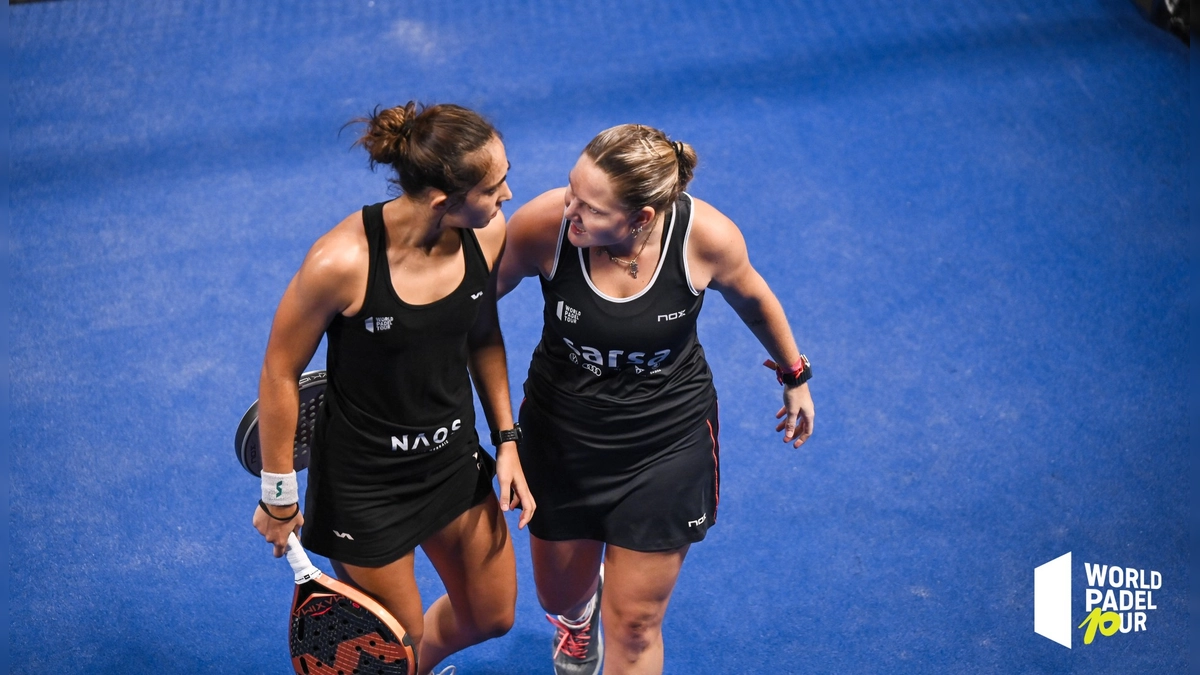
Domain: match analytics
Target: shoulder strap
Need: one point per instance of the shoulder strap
(376, 234)
(473, 255)
(687, 211)
(561, 252)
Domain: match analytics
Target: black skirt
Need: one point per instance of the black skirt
(646, 497)
(374, 519)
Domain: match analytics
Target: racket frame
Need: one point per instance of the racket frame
(307, 573)
(246, 444)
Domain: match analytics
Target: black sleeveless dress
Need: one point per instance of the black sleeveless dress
(620, 413)
(396, 456)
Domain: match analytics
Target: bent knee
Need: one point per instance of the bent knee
(493, 625)
(500, 624)
(635, 634)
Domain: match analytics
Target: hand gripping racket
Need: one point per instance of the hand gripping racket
(312, 395)
(338, 629)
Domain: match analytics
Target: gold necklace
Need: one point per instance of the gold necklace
(631, 265)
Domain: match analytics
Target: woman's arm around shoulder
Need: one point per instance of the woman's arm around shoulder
(532, 239)
(718, 258)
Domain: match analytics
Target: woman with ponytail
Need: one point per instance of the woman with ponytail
(406, 292)
(620, 414)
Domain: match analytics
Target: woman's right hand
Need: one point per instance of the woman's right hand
(276, 531)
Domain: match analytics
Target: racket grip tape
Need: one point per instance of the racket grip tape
(298, 559)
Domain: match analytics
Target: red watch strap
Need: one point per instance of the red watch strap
(794, 372)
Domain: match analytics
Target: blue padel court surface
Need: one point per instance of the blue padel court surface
(974, 213)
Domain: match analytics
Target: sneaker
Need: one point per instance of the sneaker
(579, 646)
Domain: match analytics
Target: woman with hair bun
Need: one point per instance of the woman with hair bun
(406, 292)
(620, 414)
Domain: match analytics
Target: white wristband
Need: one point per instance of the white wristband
(280, 489)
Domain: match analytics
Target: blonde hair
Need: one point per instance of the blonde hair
(646, 168)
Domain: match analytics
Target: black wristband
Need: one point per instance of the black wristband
(506, 435)
(263, 506)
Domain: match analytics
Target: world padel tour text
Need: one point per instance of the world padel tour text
(1118, 599)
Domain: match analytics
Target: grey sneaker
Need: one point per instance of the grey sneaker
(579, 650)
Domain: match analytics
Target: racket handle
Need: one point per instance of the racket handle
(298, 559)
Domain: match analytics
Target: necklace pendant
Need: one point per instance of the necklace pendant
(633, 267)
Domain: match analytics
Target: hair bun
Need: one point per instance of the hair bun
(685, 158)
(428, 146)
(388, 131)
(398, 121)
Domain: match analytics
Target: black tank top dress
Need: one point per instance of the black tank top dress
(620, 413)
(396, 456)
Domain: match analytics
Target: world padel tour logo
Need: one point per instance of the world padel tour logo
(1117, 600)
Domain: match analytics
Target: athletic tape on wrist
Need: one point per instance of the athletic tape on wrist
(280, 489)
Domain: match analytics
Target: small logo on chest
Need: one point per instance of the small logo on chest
(567, 313)
(378, 323)
(475, 296)
(672, 316)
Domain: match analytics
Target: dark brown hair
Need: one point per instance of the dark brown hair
(646, 168)
(428, 146)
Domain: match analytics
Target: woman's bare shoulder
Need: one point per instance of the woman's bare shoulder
(713, 235)
(544, 211)
(339, 255)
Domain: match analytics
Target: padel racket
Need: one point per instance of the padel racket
(312, 395)
(337, 629)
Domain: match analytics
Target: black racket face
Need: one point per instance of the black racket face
(312, 396)
(331, 634)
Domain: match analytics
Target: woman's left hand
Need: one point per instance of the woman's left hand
(514, 491)
(798, 407)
